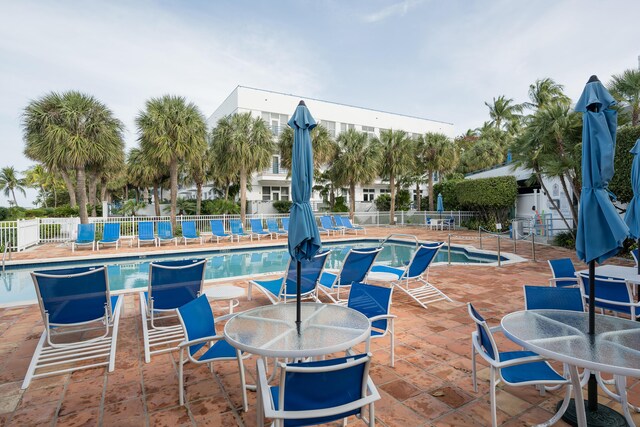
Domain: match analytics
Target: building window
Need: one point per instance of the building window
(275, 193)
(330, 126)
(346, 126)
(368, 129)
(556, 191)
(276, 121)
(368, 194)
(266, 194)
(385, 191)
(275, 164)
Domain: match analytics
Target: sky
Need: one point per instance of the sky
(433, 59)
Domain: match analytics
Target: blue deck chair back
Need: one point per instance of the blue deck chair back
(189, 229)
(309, 391)
(73, 295)
(285, 224)
(198, 321)
(326, 222)
(236, 226)
(357, 264)
(272, 225)
(609, 289)
(371, 301)
(256, 226)
(485, 340)
(86, 233)
(338, 221)
(111, 232)
(217, 227)
(563, 267)
(552, 298)
(346, 222)
(422, 259)
(311, 271)
(145, 230)
(175, 283)
(164, 230)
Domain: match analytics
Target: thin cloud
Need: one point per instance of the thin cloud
(398, 9)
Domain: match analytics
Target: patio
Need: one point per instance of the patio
(429, 386)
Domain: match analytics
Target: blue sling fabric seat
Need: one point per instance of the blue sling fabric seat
(552, 298)
(257, 229)
(217, 230)
(145, 233)
(355, 267)
(110, 235)
(272, 226)
(564, 273)
(86, 237)
(348, 226)
(165, 233)
(189, 232)
(237, 230)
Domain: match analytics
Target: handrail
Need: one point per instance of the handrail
(400, 234)
(4, 255)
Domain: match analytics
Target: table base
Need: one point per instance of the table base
(603, 417)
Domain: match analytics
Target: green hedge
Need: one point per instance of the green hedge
(620, 185)
(448, 189)
(282, 206)
(492, 198)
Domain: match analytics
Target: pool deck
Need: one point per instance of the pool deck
(429, 386)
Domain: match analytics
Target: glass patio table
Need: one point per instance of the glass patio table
(563, 335)
(270, 331)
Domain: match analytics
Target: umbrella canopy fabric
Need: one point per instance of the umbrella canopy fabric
(632, 217)
(601, 231)
(304, 237)
(440, 207)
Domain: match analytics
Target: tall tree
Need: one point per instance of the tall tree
(38, 177)
(324, 147)
(143, 173)
(171, 131)
(438, 154)
(71, 132)
(357, 163)
(503, 111)
(397, 160)
(198, 171)
(625, 88)
(249, 145)
(546, 91)
(10, 182)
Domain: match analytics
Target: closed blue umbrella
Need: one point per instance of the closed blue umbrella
(440, 205)
(601, 231)
(632, 217)
(304, 238)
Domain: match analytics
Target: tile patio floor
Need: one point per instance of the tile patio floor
(430, 385)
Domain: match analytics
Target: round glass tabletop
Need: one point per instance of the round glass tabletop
(271, 330)
(563, 335)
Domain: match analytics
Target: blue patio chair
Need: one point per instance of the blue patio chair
(171, 284)
(328, 227)
(73, 301)
(110, 235)
(411, 279)
(515, 368)
(257, 229)
(427, 222)
(348, 226)
(338, 220)
(272, 226)
(86, 237)
(551, 298)
(317, 392)
(375, 303)
(165, 233)
(285, 224)
(284, 288)
(564, 273)
(612, 294)
(355, 267)
(189, 232)
(450, 223)
(237, 230)
(145, 233)
(199, 328)
(217, 230)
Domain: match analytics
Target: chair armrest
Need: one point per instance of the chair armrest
(263, 389)
(225, 317)
(495, 329)
(553, 280)
(201, 340)
(519, 361)
(382, 316)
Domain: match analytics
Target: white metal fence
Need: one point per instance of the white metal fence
(22, 234)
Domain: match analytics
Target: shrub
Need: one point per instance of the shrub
(449, 195)
(339, 205)
(403, 201)
(282, 206)
(620, 184)
(219, 207)
(383, 202)
(565, 239)
(50, 230)
(493, 198)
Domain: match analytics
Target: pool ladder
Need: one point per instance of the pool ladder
(4, 256)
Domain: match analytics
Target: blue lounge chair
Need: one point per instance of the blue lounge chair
(515, 368)
(171, 284)
(338, 220)
(612, 294)
(375, 303)
(564, 273)
(217, 231)
(355, 267)
(72, 301)
(86, 237)
(318, 392)
(257, 229)
(348, 226)
(145, 233)
(414, 272)
(552, 298)
(327, 225)
(189, 232)
(237, 230)
(165, 233)
(110, 235)
(199, 328)
(284, 288)
(285, 224)
(272, 226)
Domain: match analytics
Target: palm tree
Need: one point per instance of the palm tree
(171, 131)
(9, 183)
(198, 171)
(71, 132)
(437, 154)
(143, 173)
(38, 177)
(546, 91)
(324, 147)
(397, 161)
(485, 153)
(248, 146)
(625, 88)
(503, 111)
(357, 163)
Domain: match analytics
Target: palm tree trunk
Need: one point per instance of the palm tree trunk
(55, 197)
(173, 171)
(635, 115)
(198, 197)
(392, 208)
(156, 199)
(418, 196)
(145, 194)
(553, 202)
(13, 193)
(44, 198)
(93, 190)
(243, 195)
(352, 201)
(430, 190)
(574, 213)
(126, 192)
(70, 188)
(82, 195)
(226, 190)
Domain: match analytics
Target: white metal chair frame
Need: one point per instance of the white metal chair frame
(328, 292)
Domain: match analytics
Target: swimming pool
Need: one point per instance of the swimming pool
(133, 272)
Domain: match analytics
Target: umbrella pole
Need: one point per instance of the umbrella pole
(298, 294)
(592, 387)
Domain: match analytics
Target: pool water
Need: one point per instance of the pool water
(16, 284)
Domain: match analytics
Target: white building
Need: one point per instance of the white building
(275, 108)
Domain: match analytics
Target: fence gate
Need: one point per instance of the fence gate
(28, 233)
